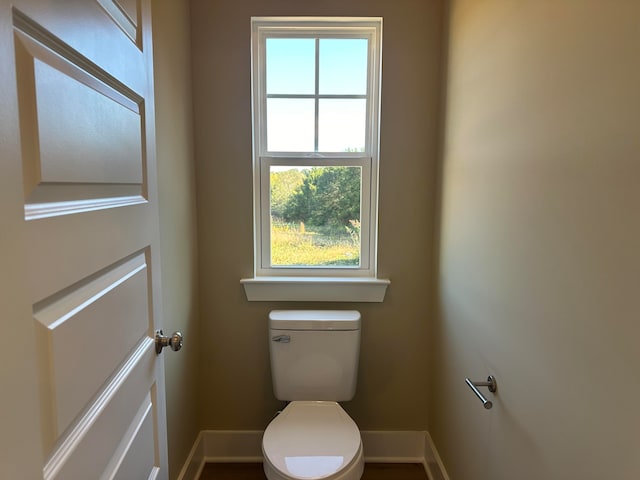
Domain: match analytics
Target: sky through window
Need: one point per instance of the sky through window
(334, 96)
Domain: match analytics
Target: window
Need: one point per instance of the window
(316, 108)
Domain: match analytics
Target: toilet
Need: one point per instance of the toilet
(314, 365)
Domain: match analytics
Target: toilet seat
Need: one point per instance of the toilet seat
(312, 440)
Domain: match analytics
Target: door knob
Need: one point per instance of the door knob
(174, 341)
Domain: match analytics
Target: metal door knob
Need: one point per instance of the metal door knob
(174, 341)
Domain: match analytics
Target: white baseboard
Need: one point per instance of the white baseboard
(432, 461)
(192, 468)
(216, 446)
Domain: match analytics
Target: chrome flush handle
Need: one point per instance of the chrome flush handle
(174, 341)
(281, 338)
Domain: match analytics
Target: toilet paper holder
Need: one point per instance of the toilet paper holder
(493, 387)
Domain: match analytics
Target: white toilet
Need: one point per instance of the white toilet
(314, 365)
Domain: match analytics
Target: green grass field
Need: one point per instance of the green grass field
(293, 245)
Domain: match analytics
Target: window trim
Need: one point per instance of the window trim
(316, 27)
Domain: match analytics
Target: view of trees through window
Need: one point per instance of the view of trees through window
(315, 216)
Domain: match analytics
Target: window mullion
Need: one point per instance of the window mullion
(312, 96)
(317, 92)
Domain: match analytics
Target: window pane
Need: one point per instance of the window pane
(342, 125)
(315, 216)
(290, 125)
(343, 66)
(291, 65)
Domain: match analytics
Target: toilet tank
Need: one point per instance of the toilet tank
(314, 354)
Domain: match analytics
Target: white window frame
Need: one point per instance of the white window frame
(368, 161)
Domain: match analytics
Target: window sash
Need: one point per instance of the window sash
(367, 230)
(367, 33)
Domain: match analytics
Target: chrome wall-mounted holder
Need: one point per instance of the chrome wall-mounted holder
(493, 388)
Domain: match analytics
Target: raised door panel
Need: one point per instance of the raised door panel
(82, 130)
(84, 136)
(135, 458)
(95, 324)
(88, 450)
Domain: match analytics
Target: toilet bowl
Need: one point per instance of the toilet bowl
(312, 440)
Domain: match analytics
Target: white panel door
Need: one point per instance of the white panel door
(82, 386)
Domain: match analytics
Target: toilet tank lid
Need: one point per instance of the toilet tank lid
(314, 320)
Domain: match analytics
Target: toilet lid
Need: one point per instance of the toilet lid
(311, 440)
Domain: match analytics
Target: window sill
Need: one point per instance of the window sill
(315, 289)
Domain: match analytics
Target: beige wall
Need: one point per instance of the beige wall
(393, 384)
(539, 266)
(177, 221)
